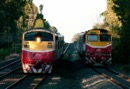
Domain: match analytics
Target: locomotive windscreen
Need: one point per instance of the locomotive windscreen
(92, 37)
(105, 38)
(31, 36)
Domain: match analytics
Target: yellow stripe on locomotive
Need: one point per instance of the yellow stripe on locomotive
(99, 38)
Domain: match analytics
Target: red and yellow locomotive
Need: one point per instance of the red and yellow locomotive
(95, 46)
(40, 49)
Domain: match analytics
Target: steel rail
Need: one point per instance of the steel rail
(9, 72)
(14, 84)
(66, 49)
(3, 67)
(118, 74)
(112, 79)
(35, 87)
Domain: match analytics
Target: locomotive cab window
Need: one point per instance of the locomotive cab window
(92, 38)
(42, 35)
(105, 38)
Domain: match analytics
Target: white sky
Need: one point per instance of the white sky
(72, 16)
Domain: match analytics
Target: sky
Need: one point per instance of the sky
(72, 16)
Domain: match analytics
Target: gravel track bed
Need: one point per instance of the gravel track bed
(30, 82)
(11, 78)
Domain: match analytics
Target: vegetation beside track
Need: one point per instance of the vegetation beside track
(123, 68)
(8, 52)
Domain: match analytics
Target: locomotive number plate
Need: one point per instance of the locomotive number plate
(38, 55)
(98, 50)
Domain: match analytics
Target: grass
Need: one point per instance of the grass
(8, 51)
(4, 52)
(122, 67)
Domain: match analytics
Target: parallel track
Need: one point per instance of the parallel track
(35, 81)
(8, 73)
(9, 68)
(15, 83)
(120, 81)
(8, 65)
(123, 76)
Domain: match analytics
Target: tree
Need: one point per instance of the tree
(121, 8)
(53, 29)
(10, 11)
(111, 19)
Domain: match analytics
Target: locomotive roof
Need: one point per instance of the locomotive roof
(42, 29)
(101, 30)
(97, 31)
(39, 29)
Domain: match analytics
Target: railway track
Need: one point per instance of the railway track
(11, 76)
(123, 76)
(9, 61)
(31, 81)
(10, 64)
(9, 68)
(8, 73)
(66, 48)
(16, 78)
(15, 83)
(119, 79)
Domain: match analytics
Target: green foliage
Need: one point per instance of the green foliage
(53, 29)
(112, 20)
(10, 50)
(117, 20)
(47, 25)
(2, 20)
(122, 67)
(40, 16)
(121, 8)
(5, 52)
(10, 11)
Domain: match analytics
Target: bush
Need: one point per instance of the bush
(4, 52)
(10, 50)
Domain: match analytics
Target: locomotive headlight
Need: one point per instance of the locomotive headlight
(50, 46)
(26, 66)
(38, 39)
